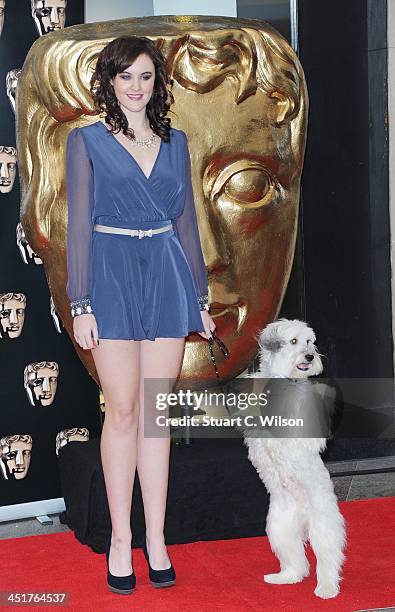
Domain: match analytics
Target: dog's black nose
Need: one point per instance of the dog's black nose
(309, 357)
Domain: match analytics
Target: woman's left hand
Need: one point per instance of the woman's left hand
(208, 324)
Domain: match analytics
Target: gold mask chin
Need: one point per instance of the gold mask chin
(246, 136)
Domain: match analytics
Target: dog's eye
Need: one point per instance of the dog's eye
(294, 340)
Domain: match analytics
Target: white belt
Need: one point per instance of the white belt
(131, 232)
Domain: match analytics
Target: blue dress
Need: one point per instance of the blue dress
(139, 288)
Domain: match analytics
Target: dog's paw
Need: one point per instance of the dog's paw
(285, 577)
(327, 590)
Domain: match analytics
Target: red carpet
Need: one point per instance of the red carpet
(222, 575)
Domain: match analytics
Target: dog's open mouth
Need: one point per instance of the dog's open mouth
(304, 366)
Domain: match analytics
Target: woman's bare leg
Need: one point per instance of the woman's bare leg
(117, 364)
(161, 359)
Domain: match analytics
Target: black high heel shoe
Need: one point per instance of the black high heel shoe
(119, 584)
(159, 578)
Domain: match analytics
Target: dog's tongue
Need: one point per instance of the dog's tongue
(303, 366)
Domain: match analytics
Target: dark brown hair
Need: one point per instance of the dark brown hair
(113, 59)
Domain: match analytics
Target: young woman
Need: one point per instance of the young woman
(137, 282)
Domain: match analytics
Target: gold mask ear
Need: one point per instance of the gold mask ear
(285, 107)
(279, 75)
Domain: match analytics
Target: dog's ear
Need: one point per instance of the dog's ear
(269, 339)
(273, 346)
(265, 334)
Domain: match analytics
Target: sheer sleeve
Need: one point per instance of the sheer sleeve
(187, 231)
(79, 183)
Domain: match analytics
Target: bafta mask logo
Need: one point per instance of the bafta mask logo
(54, 315)
(7, 168)
(49, 15)
(246, 162)
(102, 401)
(15, 452)
(2, 11)
(11, 82)
(12, 314)
(24, 247)
(41, 382)
(75, 434)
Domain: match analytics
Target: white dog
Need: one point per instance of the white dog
(303, 505)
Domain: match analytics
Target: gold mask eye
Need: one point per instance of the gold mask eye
(250, 188)
(294, 340)
(245, 183)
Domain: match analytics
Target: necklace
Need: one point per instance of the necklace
(146, 143)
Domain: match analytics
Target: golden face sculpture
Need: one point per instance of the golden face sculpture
(41, 382)
(75, 434)
(15, 452)
(246, 134)
(49, 15)
(7, 168)
(12, 314)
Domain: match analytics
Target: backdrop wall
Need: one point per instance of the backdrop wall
(63, 394)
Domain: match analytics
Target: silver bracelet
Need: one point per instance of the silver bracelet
(82, 306)
(203, 302)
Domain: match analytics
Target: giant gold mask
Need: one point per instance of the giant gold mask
(241, 98)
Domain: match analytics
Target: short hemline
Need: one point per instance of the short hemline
(153, 339)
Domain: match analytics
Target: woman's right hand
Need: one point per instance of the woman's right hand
(85, 331)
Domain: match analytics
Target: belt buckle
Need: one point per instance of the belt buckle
(143, 233)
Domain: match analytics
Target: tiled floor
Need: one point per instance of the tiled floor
(350, 487)
(376, 610)
(28, 527)
(379, 484)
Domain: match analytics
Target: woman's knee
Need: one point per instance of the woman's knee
(123, 412)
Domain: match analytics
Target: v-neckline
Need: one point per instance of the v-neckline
(147, 178)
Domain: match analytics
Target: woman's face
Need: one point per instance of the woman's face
(133, 87)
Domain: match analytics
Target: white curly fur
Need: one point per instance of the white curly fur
(303, 505)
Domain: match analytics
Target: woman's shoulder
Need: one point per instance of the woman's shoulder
(179, 133)
(76, 132)
(74, 137)
(77, 141)
(179, 136)
(83, 130)
(82, 134)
